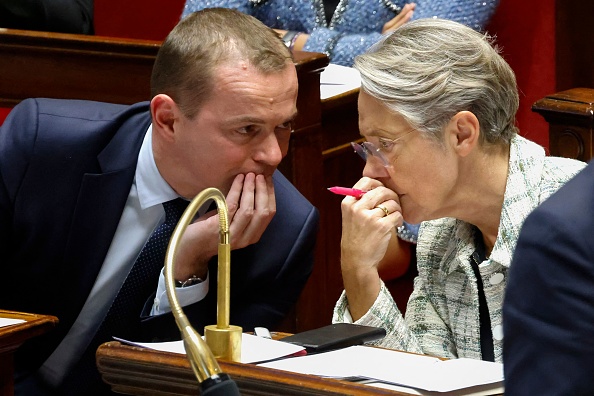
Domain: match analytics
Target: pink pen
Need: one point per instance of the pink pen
(352, 192)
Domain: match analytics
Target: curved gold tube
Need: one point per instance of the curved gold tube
(222, 341)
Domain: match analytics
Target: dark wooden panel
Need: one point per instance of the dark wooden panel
(570, 115)
(574, 43)
(341, 167)
(69, 66)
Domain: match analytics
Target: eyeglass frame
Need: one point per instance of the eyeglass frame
(365, 149)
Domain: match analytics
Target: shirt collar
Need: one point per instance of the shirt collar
(152, 188)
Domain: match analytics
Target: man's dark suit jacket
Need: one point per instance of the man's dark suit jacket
(66, 168)
(548, 312)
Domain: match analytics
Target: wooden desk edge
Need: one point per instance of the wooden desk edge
(573, 102)
(11, 337)
(82, 60)
(310, 61)
(338, 101)
(134, 369)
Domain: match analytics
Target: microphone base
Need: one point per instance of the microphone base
(219, 385)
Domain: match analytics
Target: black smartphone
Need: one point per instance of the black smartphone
(335, 336)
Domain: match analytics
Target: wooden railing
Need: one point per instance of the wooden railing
(570, 115)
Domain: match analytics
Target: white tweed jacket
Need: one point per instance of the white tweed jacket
(442, 315)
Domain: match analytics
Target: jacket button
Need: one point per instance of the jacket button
(498, 332)
(496, 279)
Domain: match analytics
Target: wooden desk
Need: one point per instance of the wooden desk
(11, 337)
(140, 371)
(39, 64)
(570, 115)
(71, 66)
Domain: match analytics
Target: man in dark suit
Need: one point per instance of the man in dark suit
(548, 312)
(84, 184)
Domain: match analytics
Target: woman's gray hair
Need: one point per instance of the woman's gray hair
(430, 69)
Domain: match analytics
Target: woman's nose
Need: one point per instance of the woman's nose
(374, 168)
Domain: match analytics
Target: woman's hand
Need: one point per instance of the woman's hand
(404, 16)
(366, 232)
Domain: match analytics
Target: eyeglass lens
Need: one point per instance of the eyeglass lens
(367, 148)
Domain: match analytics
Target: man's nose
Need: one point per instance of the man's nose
(270, 151)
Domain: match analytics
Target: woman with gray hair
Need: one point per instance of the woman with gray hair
(437, 111)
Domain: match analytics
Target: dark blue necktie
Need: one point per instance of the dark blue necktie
(142, 279)
(123, 318)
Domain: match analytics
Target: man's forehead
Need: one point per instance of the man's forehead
(238, 66)
(238, 76)
(252, 99)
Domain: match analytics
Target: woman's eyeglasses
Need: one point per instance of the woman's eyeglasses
(367, 149)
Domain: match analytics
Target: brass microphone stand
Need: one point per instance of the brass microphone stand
(222, 340)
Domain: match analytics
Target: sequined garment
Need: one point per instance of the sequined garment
(355, 25)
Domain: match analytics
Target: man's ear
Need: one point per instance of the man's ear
(463, 132)
(165, 112)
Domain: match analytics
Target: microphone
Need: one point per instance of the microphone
(226, 339)
(219, 385)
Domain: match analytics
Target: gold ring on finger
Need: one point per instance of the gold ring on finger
(386, 211)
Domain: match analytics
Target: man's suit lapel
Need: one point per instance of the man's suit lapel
(100, 203)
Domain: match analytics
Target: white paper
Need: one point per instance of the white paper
(253, 349)
(481, 390)
(337, 79)
(394, 367)
(356, 361)
(9, 321)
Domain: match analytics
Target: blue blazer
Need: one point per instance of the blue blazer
(66, 168)
(548, 312)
